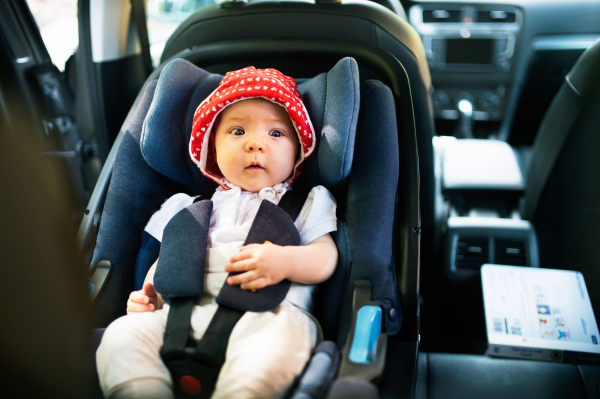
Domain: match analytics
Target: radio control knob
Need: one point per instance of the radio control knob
(440, 99)
(489, 101)
(503, 64)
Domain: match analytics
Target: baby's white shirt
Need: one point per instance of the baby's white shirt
(232, 216)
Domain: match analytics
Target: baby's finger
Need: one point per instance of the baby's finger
(148, 289)
(241, 266)
(257, 284)
(139, 297)
(241, 256)
(242, 278)
(249, 246)
(134, 307)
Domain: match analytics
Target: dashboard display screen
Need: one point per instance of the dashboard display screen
(469, 51)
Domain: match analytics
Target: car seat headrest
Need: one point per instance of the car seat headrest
(331, 99)
(165, 133)
(584, 73)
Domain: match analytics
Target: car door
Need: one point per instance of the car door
(39, 107)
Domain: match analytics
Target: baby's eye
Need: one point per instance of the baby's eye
(238, 132)
(275, 133)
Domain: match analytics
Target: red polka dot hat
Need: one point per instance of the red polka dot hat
(246, 83)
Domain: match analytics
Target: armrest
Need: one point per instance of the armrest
(366, 347)
(481, 165)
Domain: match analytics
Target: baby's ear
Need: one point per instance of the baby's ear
(211, 146)
(299, 153)
(212, 149)
(212, 152)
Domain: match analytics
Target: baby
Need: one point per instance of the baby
(251, 136)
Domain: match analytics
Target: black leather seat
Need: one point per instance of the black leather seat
(449, 376)
(562, 198)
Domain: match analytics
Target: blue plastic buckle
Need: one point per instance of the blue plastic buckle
(368, 328)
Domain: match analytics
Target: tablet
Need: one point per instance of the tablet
(541, 314)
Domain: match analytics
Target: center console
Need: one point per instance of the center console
(470, 49)
(481, 186)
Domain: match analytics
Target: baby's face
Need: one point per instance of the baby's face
(255, 144)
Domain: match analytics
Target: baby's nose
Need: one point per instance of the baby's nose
(255, 145)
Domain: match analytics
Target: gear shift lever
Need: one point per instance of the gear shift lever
(465, 120)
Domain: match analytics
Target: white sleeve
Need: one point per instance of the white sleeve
(167, 210)
(317, 216)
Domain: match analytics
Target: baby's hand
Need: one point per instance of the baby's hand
(144, 300)
(263, 264)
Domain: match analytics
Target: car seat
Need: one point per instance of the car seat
(305, 38)
(375, 181)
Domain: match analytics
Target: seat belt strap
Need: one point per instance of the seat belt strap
(139, 14)
(293, 201)
(177, 332)
(213, 345)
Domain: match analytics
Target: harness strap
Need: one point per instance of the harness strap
(272, 224)
(293, 201)
(180, 269)
(177, 332)
(212, 347)
(195, 370)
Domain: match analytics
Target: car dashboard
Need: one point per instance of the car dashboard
(506, 59)
(471, 52)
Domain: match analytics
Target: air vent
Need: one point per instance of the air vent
(496, 17)
(441, 16)
(471, 253)
(510, 252)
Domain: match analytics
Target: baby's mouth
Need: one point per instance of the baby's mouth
(254, 166)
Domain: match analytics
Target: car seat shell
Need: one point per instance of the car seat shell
(402, 238)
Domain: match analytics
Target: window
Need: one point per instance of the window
(57, 22)
(164, 16)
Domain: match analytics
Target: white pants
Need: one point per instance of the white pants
(266, 350)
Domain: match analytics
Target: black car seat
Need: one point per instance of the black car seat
(562, 198)
(377, 191)
(306, 38)
(454, 376)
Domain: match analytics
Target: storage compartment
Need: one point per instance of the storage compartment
(472, 241)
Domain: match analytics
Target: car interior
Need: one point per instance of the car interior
(452, 134)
